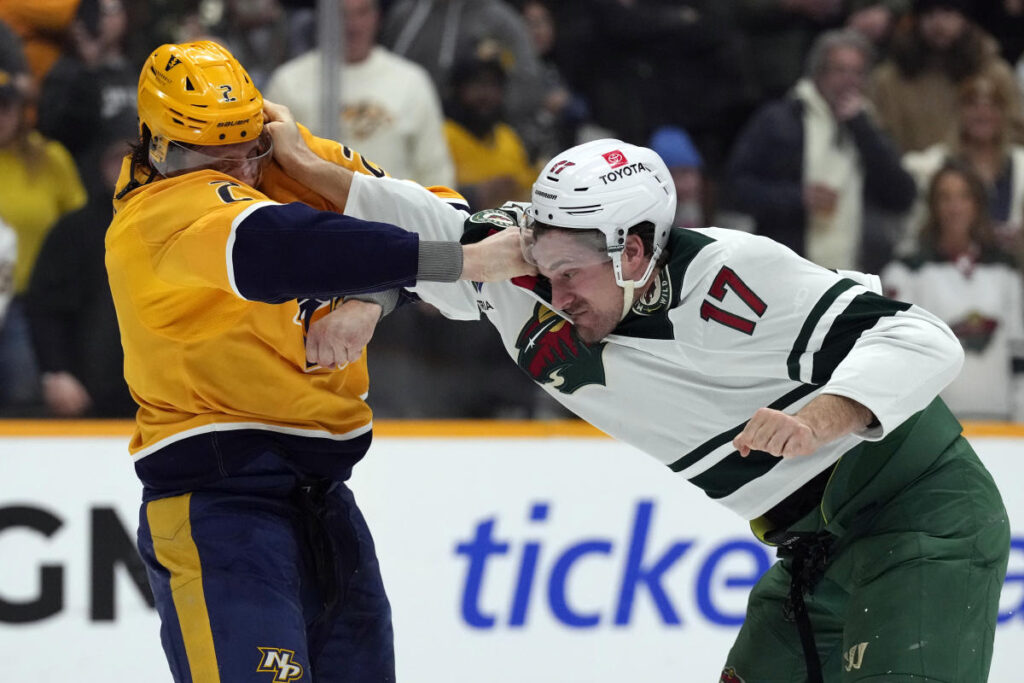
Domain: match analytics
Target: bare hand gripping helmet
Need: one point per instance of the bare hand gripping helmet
(610, 186)
(195, 94)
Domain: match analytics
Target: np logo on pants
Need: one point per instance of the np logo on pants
(280, 663)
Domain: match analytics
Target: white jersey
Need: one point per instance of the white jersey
(733, 323)
(981, 301)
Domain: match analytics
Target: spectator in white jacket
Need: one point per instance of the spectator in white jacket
(389, 109)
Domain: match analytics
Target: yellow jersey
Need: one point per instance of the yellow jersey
(500, 154)
(216, 284)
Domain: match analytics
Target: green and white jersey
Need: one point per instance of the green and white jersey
(734, 322)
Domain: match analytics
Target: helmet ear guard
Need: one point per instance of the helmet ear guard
(610, 186)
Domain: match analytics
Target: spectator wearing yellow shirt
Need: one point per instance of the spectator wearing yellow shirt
(42, 25)
(491, 163)
(40, 184)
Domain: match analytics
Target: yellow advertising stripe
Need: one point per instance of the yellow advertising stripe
(171, 531)
(421, 429)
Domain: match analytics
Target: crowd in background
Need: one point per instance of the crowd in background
(876, 135)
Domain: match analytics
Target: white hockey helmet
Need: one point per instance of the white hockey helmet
(610, 186)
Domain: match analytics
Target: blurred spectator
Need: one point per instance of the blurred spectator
(70, 310)
(980, 137)
(876, 20)
(1004, 20)
(641, 64)
(553, 126)
(424, 366)
(491, 165)
(389, 109)
(958, 275)
(12, 52)
(915, 89)
(257, 32)
(42, 26)
(807, 164)
(433, 33)
(8, 256)
(93, 82)
(676, 149)
(780, 33)
(301, 20)
(40, 184)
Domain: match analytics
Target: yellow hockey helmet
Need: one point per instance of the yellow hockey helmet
(197, 94)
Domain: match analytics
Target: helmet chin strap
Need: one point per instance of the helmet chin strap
(629, 286)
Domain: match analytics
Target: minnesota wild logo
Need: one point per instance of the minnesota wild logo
(551, 352)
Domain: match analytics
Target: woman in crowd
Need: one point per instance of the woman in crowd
(915, 90)
(40, 184)
(959, 275)
(981, 137)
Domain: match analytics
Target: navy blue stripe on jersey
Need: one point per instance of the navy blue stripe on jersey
(288, 251)
(457, 203)
(715, 442)
(800, 346)
(862, 314)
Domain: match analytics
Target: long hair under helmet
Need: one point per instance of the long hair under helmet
(196, 94)
(610, 186)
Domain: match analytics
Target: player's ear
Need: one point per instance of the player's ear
(633, 255)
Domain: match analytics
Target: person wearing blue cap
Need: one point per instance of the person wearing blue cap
(685, 164)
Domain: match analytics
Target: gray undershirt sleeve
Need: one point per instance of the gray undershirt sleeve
(439, 261)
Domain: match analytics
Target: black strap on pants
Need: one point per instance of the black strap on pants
(808, 557)
(329, 543)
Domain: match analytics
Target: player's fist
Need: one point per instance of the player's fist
(499, 257)
(339, 337)
(776, 433)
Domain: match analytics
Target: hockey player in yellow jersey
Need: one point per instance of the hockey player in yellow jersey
(222, 267)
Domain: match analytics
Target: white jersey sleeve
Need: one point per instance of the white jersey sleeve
(406, 204)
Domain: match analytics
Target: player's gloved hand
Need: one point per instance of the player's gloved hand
(518, 210)
(339, 337)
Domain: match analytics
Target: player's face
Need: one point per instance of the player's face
(242, 160)
(582, 283)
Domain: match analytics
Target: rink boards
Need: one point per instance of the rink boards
(511, 552)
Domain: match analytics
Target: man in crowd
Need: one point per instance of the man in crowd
(226, 273)
(389, 108)
(796, 396)
(809, 166)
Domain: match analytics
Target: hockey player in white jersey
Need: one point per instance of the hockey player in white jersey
(796, 396)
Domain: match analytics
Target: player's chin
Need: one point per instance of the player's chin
(591, 334)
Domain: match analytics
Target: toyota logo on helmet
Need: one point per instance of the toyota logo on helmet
(610, 186)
